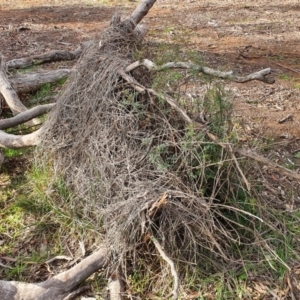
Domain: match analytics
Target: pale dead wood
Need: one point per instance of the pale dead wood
(20, 141)
(141, 11)
(26, 116)
(260, 75)
(261, 159)
(79, 291)
(24, 83)
(8, 92)
(58, 287)
(288, 117)
(171, 264)
(59, 257)
(115, 287)
(52, 56)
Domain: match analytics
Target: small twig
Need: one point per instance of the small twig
(288, 117)
(171, 264)
(173, 104)
(272, 165)
(287, 68)
(59, 257)
(5, 266)
(239, 169)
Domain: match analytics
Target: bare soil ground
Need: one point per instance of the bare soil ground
(230, 36)
(243, 36)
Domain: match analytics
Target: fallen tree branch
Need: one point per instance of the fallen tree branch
(171, 264)
(261, 159)
(20, 141)
(24, 83)
(59, 286)
(55, 55)
(141, 11)
(260, 75)
(25, 116)
(8, 92)
(115, 287)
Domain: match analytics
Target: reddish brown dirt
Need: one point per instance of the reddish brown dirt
(230, 36)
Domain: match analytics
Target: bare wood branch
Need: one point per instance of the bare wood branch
(26, 116)
(173, 104)
(171, 264)
(59, 286)
(51, 56)
(261, 159)
(260, 75)
(141, 11)
(24, 83)
(115, 287)
(80, 290)
(7, 90)
(19, 141)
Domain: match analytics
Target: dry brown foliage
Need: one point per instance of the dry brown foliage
(138, 171)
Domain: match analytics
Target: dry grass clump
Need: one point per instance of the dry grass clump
(138, 171)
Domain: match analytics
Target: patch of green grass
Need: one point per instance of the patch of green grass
(11, 153)
(285, 77)
(46, 91)
(297, 155)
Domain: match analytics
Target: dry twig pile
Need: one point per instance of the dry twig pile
(136, 167)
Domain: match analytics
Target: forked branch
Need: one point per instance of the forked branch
(260, 75)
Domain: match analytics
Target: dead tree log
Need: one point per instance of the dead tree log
(25, 116)
(8, 91)
(13, 141)
(25, 83)
(59, 286)
(51, 56)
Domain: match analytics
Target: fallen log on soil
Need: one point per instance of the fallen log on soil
(26, 83)
(59, 286)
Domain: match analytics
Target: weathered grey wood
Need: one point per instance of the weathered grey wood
(24, 83)
(59, 286)
(141, 11)
(8, 91)
(19, 141)
(55, 55)
(26, 116)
